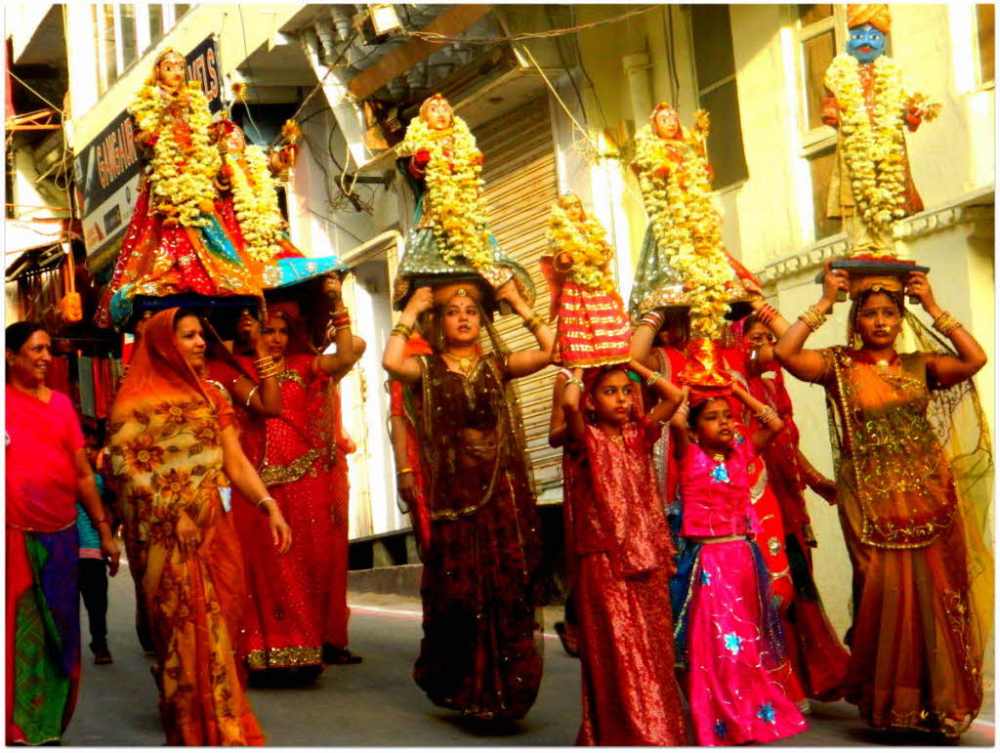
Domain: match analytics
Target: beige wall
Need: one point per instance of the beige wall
(229, 22)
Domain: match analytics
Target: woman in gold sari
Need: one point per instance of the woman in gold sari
(907, 496)
(174, 451)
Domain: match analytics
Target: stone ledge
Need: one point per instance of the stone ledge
(976, 206)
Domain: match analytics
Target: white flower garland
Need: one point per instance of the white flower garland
(256, 202)
(686, 226)
(874, 147)
(181, 184)
(454, 187)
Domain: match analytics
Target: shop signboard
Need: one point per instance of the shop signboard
(107, 170)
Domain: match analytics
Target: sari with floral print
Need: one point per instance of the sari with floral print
(166, 456)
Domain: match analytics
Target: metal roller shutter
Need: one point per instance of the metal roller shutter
(521, 184)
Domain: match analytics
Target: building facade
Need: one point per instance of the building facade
(552, 114)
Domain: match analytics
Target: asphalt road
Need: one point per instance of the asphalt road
(376, 703)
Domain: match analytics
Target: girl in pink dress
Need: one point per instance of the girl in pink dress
(728, 633)
(623, 561)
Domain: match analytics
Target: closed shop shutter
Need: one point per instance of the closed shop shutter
(521, 184)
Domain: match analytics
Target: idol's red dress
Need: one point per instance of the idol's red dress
(624, 562)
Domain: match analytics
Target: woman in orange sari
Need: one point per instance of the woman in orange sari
(174, 450)
(922, 588)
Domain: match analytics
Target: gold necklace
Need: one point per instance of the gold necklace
(465, 363)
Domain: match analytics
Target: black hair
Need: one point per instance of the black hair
(697, 409)
(18, 333)
(184, 313)
(896, 296)
(603, 373)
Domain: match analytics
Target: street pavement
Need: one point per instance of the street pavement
(376, 703)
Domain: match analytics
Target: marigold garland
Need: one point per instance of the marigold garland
(184, 159)
(585, 243)
(873, 147)
(677, 194)
(454, 188)
(256, 202)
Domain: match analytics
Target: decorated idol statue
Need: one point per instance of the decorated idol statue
(593, 328)
(175, 242)
(683, 262)
(450, 237)
(871, 187)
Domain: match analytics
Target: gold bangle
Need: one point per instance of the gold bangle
(812, 318)
(654, 320)
(262, 500)
(653, 378)
(402, 471)
(532, 323)
(251, 393)
(766, 415)
(403, 330)
(946, 323)
(577, 382)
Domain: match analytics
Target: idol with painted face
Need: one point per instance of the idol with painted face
(682, 249)
(864, 91)
(477, 654)
(906, 503)
(593, 329)
(443, 166)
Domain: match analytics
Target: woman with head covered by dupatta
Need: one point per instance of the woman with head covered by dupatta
(296, 619)
(913, 497)
(481, 652)
(174, 449)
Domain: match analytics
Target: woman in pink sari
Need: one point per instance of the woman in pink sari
(46, 471)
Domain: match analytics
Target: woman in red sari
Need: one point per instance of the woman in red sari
(46, 471)
(289, 433)
(174, 450)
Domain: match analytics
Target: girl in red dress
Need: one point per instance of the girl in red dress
(624, 562)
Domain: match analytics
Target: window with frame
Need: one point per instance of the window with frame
(821, 33)
(125, 31)
(986, 46)
(715, 74)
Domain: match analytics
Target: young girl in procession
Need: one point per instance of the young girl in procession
(728, 633)
(623, 561)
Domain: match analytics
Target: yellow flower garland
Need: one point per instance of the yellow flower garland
(686, 225)
(874, 148)
(586, 245)
(454, 188)
(181, 177)
(256, 202)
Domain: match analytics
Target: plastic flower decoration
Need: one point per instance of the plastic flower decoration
(586, 244)
(454, 190)
(184, 159)
(677, 193)
(874, 146)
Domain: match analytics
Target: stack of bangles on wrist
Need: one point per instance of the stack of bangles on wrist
(577, 382)
(532, 323)
(403, 330)
(946, 324)
(654, 378)
(654, 320)
(266, 367)
(262, 500)
(766, 314)
(766, 415)
(812, 318)
(341, 320)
